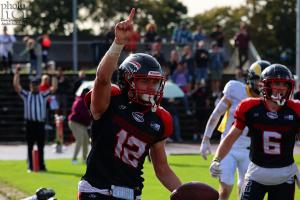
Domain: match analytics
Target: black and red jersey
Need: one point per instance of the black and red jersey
(121, 139)
(272, 133)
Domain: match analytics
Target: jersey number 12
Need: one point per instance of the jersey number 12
(129, 148)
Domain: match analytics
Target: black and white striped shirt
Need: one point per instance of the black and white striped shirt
(35, 105)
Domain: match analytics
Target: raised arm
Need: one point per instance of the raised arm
(101, 93)
(16, 81)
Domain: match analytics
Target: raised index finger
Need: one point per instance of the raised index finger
(132, 13)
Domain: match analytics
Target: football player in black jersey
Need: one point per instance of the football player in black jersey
(273, 123)
(128, 121)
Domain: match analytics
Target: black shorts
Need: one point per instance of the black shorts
(255, 191)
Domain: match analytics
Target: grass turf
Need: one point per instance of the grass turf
(63, 177)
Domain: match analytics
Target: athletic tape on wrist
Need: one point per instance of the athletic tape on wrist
(115, 49)
(217, 159)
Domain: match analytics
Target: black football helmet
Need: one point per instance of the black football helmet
(141, 66)
(254, 73)
(277, 73)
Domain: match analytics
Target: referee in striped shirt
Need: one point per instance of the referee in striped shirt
(34, 115)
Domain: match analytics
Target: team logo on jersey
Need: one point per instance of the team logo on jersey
(272, 115)
(155, 126)
(137, 116)
(289, 117)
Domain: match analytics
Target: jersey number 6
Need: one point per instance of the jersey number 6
(129, 148)
(271, 147)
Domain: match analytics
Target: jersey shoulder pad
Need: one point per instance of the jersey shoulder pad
(87, 99)
(294, 105)
(233, 88)
(115, 90)
(248, 103)
(167, 119)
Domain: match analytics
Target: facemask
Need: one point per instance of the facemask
(279, 99)
(149, 98)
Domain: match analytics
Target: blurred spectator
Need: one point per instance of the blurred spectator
(79, 80)
(150, 35)
(239, 76)
(35, 115)
(62, 88)
(188, 59)
(181, 77)
(50, 67)
(30, 49)
(133, 40)
(174, 60)
(157, 53)
(43, 87)
(171, 104)
(181, 35)
(241, 41)
(201, 60)
(286, 56)
(79, 120)
(45, 43)
(109, 37)
(45, 83)
(6, 50)
(199, 36)
(217, 35)
(216, 68)
(201, 103)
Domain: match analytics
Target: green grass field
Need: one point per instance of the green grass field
(63, 177)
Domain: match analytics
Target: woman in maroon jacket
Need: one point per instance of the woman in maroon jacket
(79, 120)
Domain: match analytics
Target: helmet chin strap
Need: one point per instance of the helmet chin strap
(154, 106)
(278, 99)
(150, 98)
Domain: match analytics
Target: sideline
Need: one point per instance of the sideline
(18, 151)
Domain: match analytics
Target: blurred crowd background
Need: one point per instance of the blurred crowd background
(199, 54)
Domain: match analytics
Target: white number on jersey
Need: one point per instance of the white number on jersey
(129, 148)
(269, 146)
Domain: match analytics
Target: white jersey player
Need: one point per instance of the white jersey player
(238, 157)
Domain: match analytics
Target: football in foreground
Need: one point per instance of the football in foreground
(194, 191)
